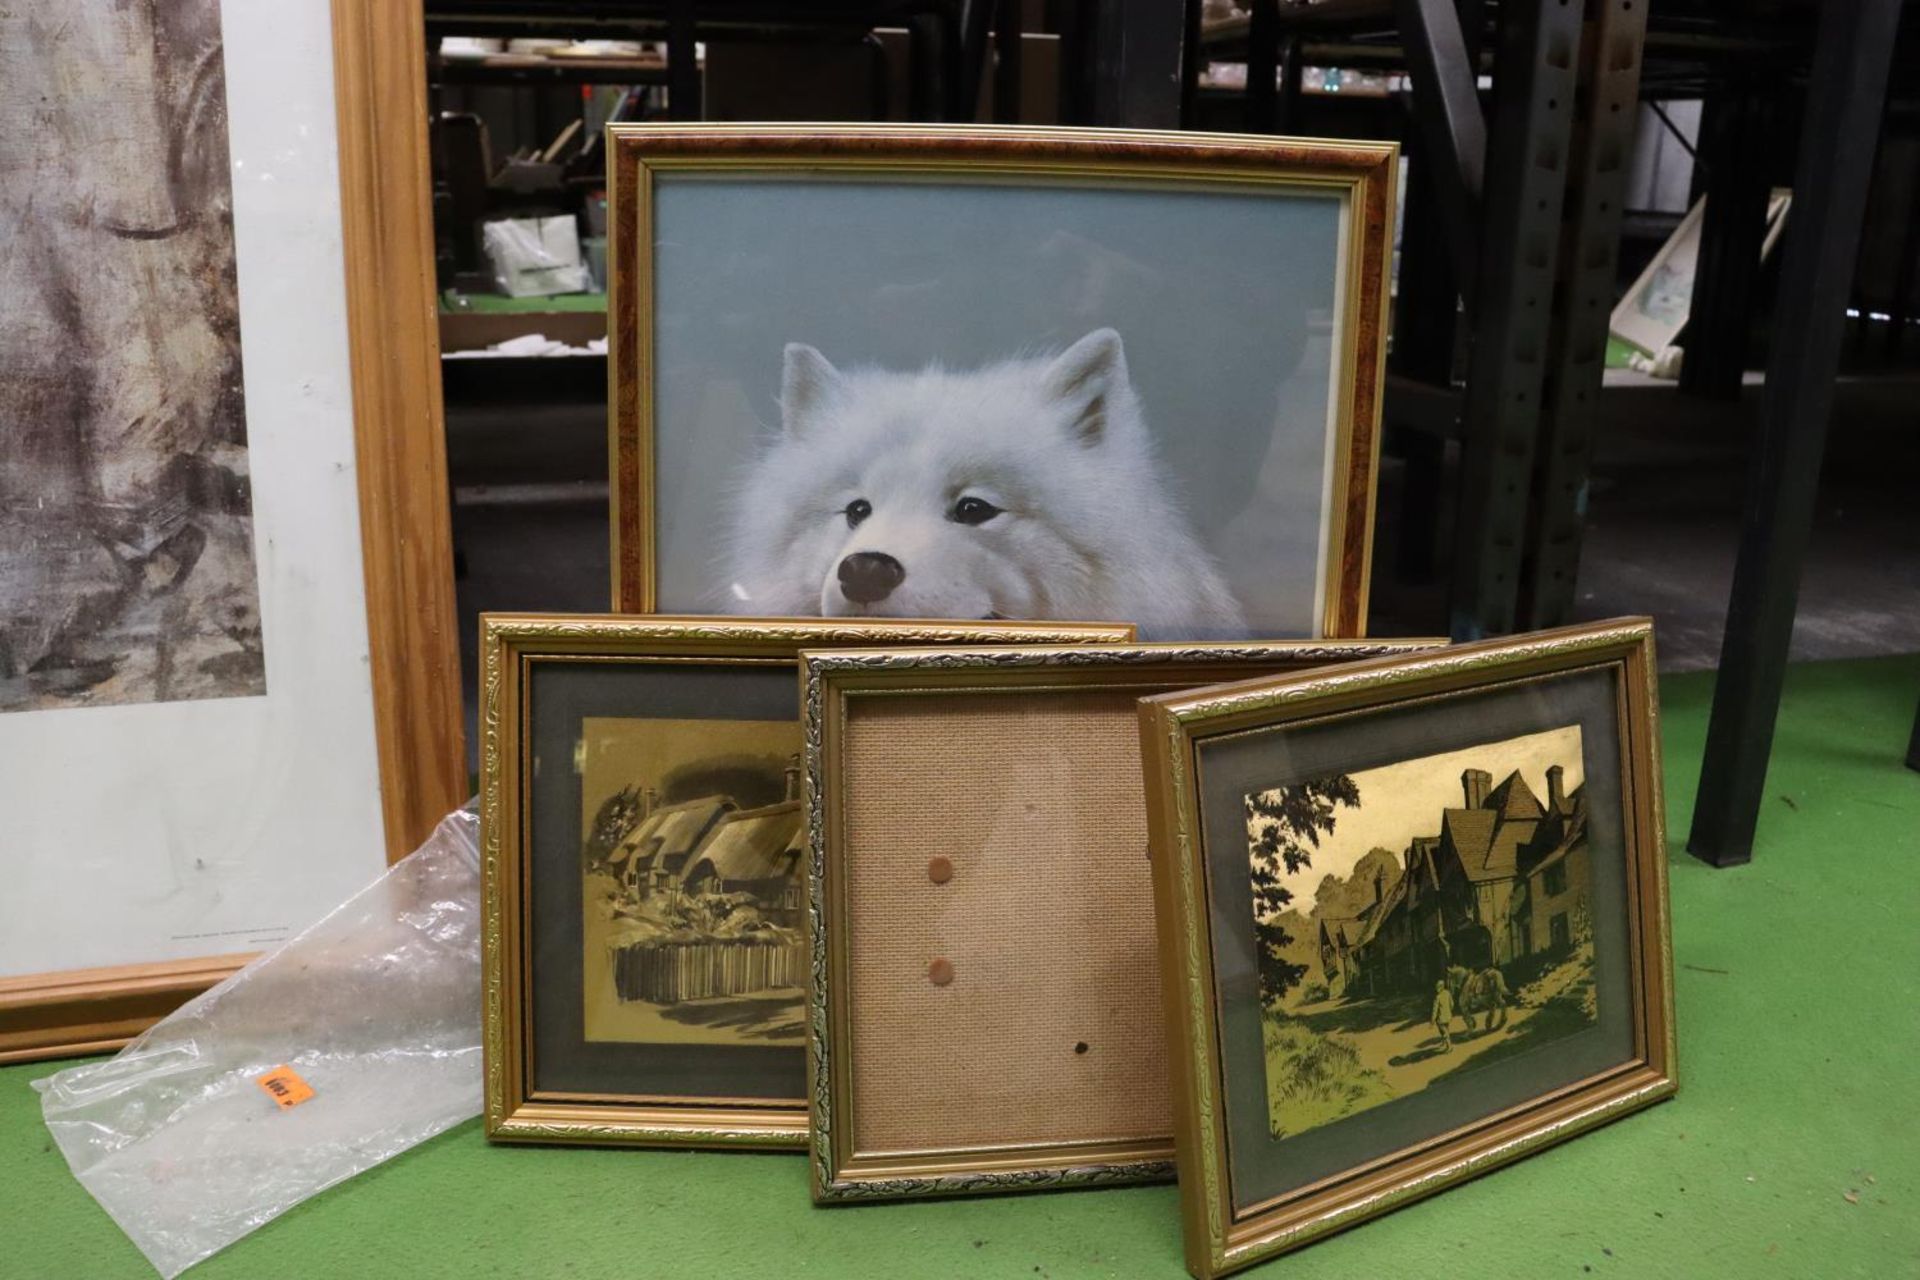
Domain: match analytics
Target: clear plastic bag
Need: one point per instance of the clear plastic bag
(376, 1007)
(535, 257)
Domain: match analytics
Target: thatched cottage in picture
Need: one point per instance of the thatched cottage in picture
(711, 845)
(713, 898)
(756, 851)
(655, 854)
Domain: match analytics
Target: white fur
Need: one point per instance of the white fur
(1085, 531)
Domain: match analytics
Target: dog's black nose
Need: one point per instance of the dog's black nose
(867, 576)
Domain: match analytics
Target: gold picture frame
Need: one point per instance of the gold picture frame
(515, 649)
(903, 1109)
(1597, 678)
(1361, 175)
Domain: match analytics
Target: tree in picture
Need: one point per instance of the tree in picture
(1286, 824)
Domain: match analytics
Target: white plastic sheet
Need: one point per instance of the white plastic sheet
(535, 257)
(377, 1008)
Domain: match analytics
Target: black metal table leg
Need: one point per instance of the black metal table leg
(1913, 743)
(1844, 103)
(1900, 313)
(683, 70)
(1138, 54)
(1192, 61)
(923, 73)
(1288, 110)
(1736, 137)
(960, 61)
(1263, 67)
(1006, 61)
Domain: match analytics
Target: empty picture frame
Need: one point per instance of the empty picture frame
(985, 1003)
(970, 371)
(643, 948)
(1413, 922)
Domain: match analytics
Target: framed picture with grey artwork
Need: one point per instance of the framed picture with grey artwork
(975, 372)
(643, 884)
(229, 688)
(1412, 920)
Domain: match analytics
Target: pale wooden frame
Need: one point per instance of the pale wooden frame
(829, 680)
(406, 538)
(1216, 1241)
(509, 645)
(1364, 172)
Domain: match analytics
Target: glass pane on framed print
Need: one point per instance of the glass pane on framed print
(987, 373)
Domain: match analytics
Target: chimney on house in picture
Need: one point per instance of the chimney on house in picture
(1379, 887)
(793, 776)
(649, 801)
(1556, 788)
(1476, 783)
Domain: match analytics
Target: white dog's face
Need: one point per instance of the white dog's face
(940, 495)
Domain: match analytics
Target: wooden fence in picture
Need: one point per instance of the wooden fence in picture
(669, 972)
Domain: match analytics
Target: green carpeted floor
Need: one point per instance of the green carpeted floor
(1792, 1151)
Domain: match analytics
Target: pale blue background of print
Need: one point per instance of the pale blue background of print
(1224, 299)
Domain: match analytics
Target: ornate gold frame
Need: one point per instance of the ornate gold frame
(380, 96)
(1363, 173)
(828, 681)
(510, 644)
(1170, 728)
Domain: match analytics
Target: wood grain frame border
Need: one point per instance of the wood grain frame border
(386, 210)
(379, 51)
(1364, 173)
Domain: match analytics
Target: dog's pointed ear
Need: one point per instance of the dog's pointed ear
(807, 382)
(1085, 377)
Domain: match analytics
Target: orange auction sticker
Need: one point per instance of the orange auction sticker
(284, 1085)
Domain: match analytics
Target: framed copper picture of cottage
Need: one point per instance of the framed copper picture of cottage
(229, 687)
(642, 885)
(977, 372)
(1413, 922)
(985, 1003)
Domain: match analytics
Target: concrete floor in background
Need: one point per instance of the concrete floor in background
(1663, 526)
(1669, 477)
(1664, 521)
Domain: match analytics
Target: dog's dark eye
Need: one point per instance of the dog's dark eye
(857, 510)
(974, 511)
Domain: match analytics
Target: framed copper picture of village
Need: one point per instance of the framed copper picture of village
(1412, 920)
(644, 952)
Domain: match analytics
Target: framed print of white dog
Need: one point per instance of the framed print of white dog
(977, 372)
(229, 686)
